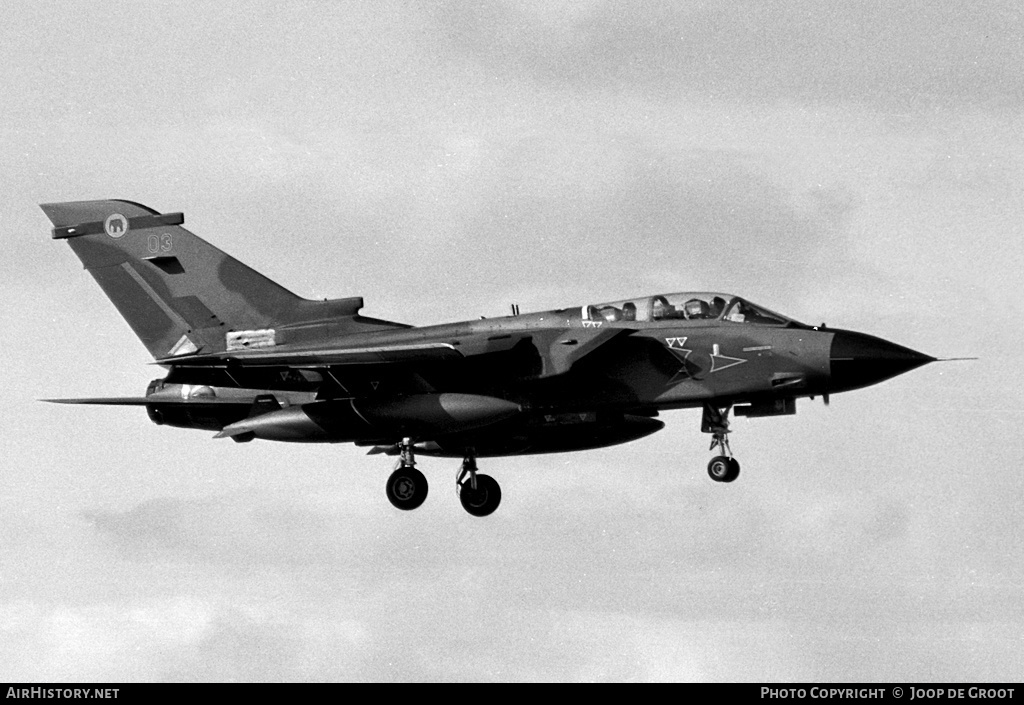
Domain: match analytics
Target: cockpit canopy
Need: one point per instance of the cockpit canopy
(688, 306)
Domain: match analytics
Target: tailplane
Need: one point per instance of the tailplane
(180, 294)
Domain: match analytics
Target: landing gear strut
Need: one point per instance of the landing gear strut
(722, 468)
(407, 487)
(480, 494)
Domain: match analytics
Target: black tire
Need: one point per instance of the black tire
(484, 499)
(734, 470)
(723, 469)
(407, 488)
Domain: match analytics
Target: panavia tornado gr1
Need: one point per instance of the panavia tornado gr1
(249, 360)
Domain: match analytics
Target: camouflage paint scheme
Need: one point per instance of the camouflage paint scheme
(250, 359)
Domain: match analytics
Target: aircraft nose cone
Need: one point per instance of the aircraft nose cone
(860, 360)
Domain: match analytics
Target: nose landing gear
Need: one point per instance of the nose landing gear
(722, 468)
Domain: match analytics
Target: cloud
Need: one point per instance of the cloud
(590, 212)
(180, 637)
(661, 563)
(219, 531)
(870, 52)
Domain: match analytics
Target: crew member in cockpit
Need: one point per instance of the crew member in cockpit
(695, 309)
(661, 309)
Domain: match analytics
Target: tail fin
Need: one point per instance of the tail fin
(180, 294)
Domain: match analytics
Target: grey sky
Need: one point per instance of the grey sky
(859, 163)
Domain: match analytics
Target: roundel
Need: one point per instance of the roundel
(116, 225)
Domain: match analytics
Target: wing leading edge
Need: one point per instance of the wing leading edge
(321, 357)
(558, 349)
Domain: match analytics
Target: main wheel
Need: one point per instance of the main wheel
(484, 499)
(723, 469)
(407, 487)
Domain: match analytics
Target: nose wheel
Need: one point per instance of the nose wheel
(480, 494)
(724, 467)
(406, 487)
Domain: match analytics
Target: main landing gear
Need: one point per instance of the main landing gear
(480, 494)
(407, 487)
(722, 468)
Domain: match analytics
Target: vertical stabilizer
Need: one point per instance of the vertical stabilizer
(179, 294)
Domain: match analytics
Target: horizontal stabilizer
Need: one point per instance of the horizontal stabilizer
(142, 401)
(105, 401)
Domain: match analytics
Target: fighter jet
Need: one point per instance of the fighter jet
(250, 360)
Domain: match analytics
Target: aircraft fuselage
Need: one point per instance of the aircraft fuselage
(638, 371)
